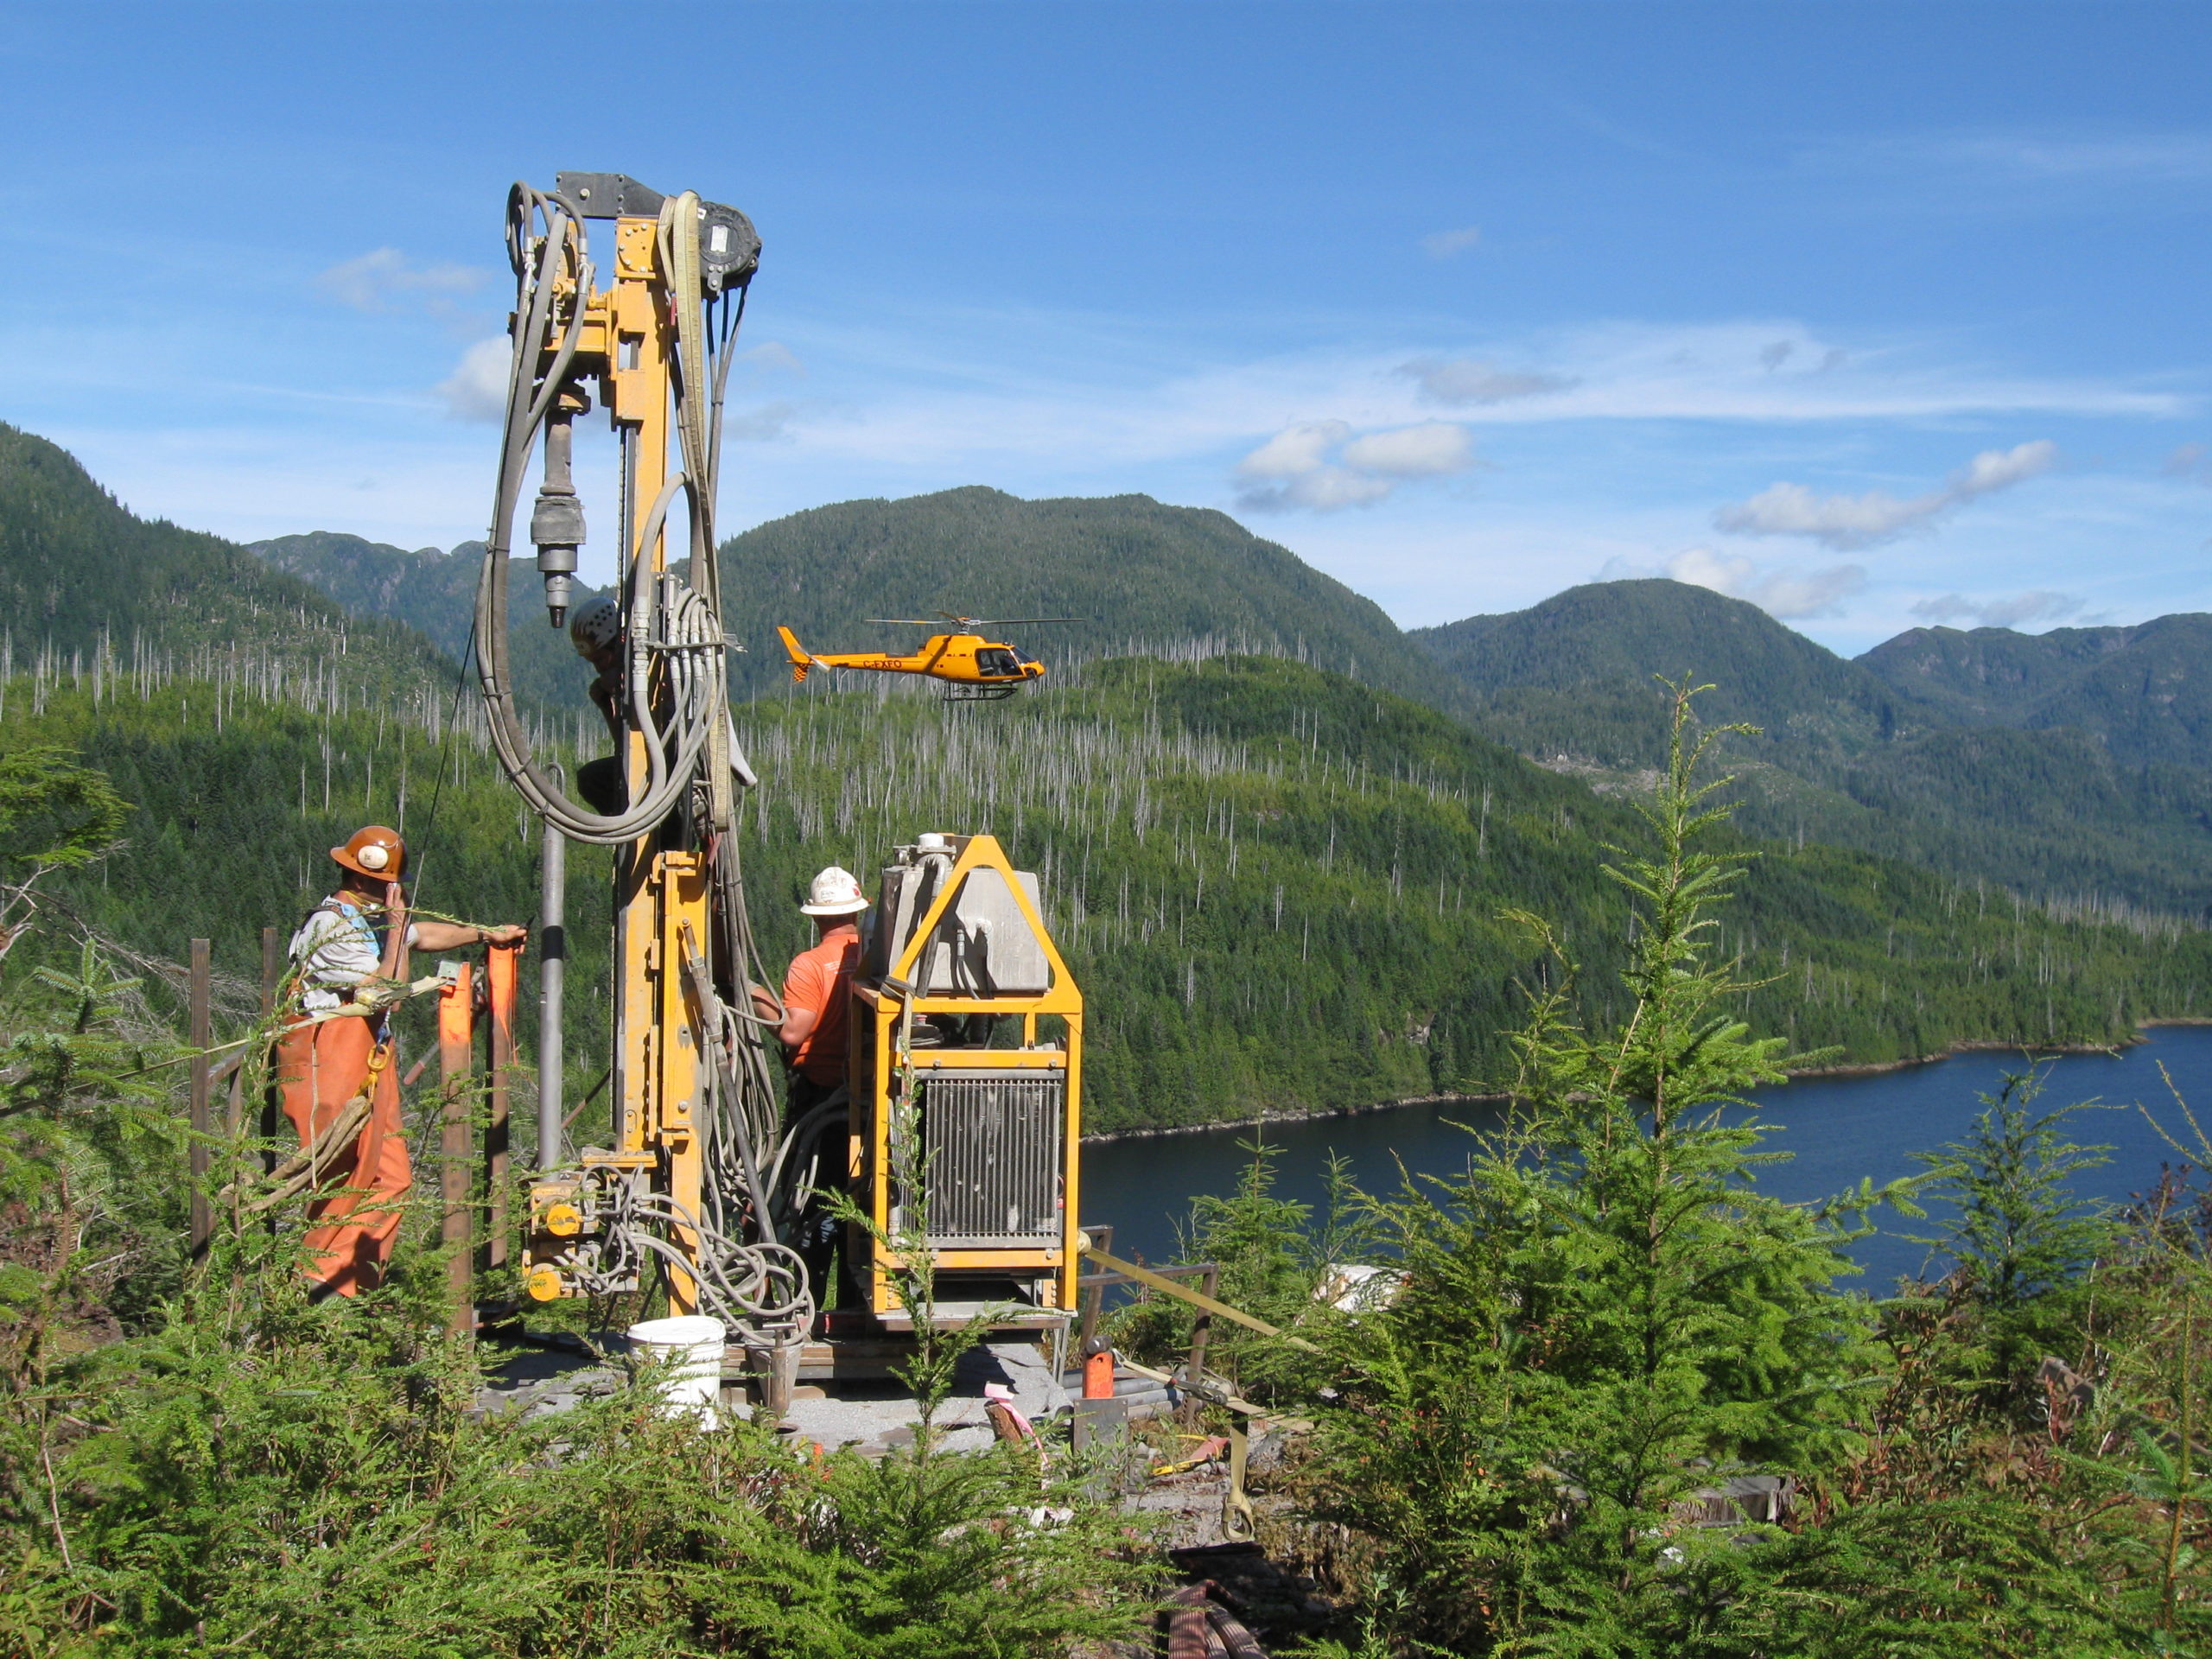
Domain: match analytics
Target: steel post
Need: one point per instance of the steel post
(552, 958)
(272, 977)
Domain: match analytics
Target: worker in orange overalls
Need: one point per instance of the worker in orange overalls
(357, 937)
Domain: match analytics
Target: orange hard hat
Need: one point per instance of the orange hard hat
(373, 851)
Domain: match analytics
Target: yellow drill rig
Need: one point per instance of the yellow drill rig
(705, 1189)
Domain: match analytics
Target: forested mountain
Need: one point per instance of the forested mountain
(2146, 692)
(434, 594)
(1576, 673)
(84, 581)
(1613, 631)
(2067, 776)
(1134, 575)
(1278, 888)
(2073, 763)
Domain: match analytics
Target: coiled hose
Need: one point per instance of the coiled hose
(683, 627)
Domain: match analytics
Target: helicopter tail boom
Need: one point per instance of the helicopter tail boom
(801, 661)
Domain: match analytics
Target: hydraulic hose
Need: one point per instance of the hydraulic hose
(689, 637)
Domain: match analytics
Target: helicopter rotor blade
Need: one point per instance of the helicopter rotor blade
(1007, 621)
(908, 621)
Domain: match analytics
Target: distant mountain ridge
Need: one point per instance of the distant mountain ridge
(1133, 572)
(1130, 570)
(2144, 690)
(2077, 762)
(2066, 763)
(1612, 637)
(1296, 897)
(81, 575)
(434, 594)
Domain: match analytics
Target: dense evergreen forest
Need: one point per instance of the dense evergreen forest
(92, 588)
(1281, 886)
(434, 594)
(1617, 1399)
(2141, 691)
(1281, 891)
(1130, 573)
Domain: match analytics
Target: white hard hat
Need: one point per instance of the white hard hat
(596, 625)
(835, 892)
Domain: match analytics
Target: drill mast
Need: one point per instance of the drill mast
(694, 1109)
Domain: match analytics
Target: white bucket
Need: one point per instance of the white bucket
(695, 1344)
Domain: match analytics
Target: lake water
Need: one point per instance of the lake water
(1836, 1129)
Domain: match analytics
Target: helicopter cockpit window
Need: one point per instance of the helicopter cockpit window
(997, 659)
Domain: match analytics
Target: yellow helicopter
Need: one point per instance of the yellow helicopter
(974, 669)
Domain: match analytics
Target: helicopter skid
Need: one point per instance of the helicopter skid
(982, 693)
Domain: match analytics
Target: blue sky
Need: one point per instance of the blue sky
(1877, 315)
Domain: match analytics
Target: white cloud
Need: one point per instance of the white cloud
(1465, 380)
(947, 401)
(1433, 449)
(477, 389)
(1840, 521)
(2192, 461)
(1294, 451)
(1294, 469)
(1715, 371)
(774, 354)
(1852, 521)
(763, 424)
(1790, 595)
(2040, 604)
(2174, 157)
(382, 280)
(1325, 489)
(1442, 244)
(2000, 469)
(1786, 594)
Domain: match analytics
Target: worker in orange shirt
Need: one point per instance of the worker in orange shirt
(817, 991)
(817, 1019)
(352, 940)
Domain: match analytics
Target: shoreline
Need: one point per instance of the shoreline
(1265, 1118)
(1857, 1069)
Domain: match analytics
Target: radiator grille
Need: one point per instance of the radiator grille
(993, 1142)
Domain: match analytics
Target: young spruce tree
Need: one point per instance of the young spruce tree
(1604, 1315)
